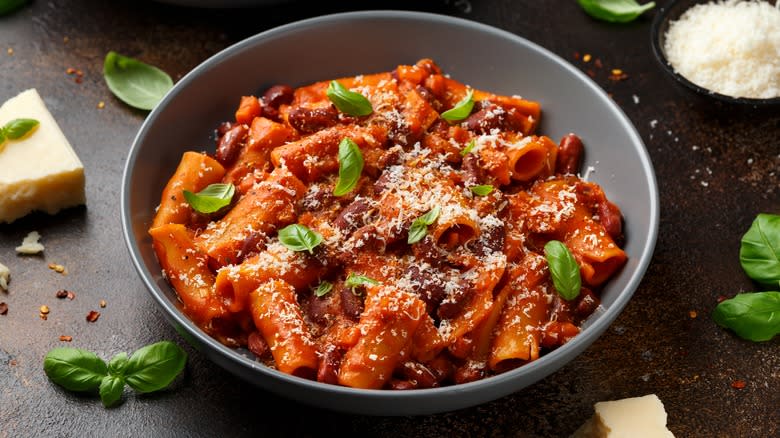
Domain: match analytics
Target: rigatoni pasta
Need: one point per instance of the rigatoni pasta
(387, 232)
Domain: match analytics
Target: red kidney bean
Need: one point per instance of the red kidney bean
(427, 286)
(252, 244)
(453, 306)
(470, 372)
(278, 95)
(611, 219)
(222, 129)
(486, 117)
(419, 374)
(570, 153)
(329, 365)
(256, 344)
(230, 144)
(587, 303)
(351, 304)
(310, 120)
(401, 385)
(351, 217)
(471, 169)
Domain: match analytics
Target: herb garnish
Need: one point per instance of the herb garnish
(354, 281)
(299, 237)
(348, 102)
(419, 227)
(755, 316)
(469, 147)
(323, 288)
(8, 6)
(461, 110)
(212, 198)
(481, 190)
(16, 129)
(564, 269)
(350, 167)
(149, 369)
(615, 11)
(137, 84)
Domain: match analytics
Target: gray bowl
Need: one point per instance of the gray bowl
(363, 42)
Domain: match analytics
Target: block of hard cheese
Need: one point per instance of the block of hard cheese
(40, 171)
(638, 417)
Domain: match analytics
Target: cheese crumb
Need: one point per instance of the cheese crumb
(39, 171)
(30, 244)
(728, 47)
(637, 417)
(5, 276)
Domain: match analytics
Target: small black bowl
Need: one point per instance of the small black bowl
(663, 17)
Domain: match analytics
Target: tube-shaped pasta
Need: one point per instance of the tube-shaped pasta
(531, 158)
(518, 333)
(278, 317)
(595, 251)
(195, 172)
(390, 318)
(268, 206)
(188, 272)
(235, 283)
(456, 225)
(264, 136)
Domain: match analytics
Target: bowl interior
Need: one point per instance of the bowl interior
(364, 42)
(672, 11)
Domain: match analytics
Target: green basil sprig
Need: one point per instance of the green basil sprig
(17, 128)
(419, 227)
(615, 11)
(481, 190)
(348, 102)
(8, 6)
(469, 147)
(564, 269)
(461, 110)
(323, 288)
(350, 167)
(354, 281)
(299, 237)
(211, 199)
(137, 84)
(149, 369)
(759, 253)
(753, 316)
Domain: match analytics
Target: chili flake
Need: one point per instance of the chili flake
(693, 314)
(617, 75)
(57, 268)
(70, 70)
(598, 63)
(71, 295)
(586, 58)
(103, 303)
(738, 384)
(65, 338)
(62, 293)
(44, 309)
(93, 316)
(3, 308)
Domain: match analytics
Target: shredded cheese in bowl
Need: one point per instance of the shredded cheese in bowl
(730, 47)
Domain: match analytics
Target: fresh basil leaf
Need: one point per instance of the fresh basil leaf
(137, 84)
(212, 198)
(111, 388)
(8, 6)
(615, 11)
(469, 147)
(461, 110)
(74, 369)
(117, 364)
(759, 253)
(481, 190)
(2, 139)
(564, 270)
(355, 280)
(154, 367)
(419, 227)
(18, 128)
(323, 288)
(350, 167)
(348, 102)
(753, 316)
(299, 237)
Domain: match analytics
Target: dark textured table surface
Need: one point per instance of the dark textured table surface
(716, 168)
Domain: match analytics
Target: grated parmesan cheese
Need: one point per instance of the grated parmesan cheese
(5, 276)
(30, 244)
(730, 47)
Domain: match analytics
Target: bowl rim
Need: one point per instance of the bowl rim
(656, 36)
(543, 366)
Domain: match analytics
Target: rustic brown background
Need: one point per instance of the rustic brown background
(717, 168)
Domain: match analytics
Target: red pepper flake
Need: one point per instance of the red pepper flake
(70, 70)
(103, 303)
(43, 316)
(586, 58)
(738, 384)
(693, 314)
(57, 268)
(78, 80)
(65, 338)
(44, 309)
(617, 75)
(71, 295)
(577, 56)
(62, 293)
(93, 316)
(3, 308)
(598, 63)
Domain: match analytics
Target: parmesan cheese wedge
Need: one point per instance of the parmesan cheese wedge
(40, 171)
(638, 417)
